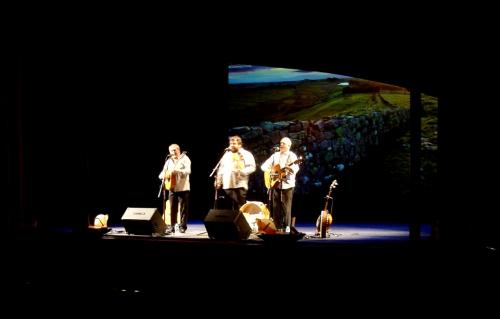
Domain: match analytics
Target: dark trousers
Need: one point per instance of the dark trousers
(282, 207)
(237, 197)
(179, 200)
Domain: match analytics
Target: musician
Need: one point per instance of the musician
(234, 171)
(176, 173)
(282, 190)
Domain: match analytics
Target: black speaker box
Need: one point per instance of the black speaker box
(143, 221)
(225, 224)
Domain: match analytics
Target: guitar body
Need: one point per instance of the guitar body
(323, 223)
(170, 182)
(273, 176)
(277, 174)
(267, 179)
(170, 179)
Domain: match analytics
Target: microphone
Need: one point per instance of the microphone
(227, 149)
(275, 148)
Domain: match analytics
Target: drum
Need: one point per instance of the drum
(253, 211)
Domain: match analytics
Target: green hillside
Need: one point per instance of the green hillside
(308, 100)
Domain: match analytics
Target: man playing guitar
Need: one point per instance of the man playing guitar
(283, 182)
(175, 177)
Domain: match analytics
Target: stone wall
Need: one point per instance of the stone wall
(326, 144)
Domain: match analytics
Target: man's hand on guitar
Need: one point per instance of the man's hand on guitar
(287, 171)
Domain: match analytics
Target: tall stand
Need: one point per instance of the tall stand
(164, 203)
(212, 174)
(282, 208)
(270, 202)
(162, 190)
(216, 196)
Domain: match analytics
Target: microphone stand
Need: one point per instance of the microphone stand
(163, 180)
(282, 209)
(163, 191)
(215, 168)
(212, 174)
(270, 202)
(271, 190)
(161, 187)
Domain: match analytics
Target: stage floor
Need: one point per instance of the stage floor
(342, 232)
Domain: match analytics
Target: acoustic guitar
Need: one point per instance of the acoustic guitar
(325, 219)
(170, 178)
(170, 181)
(277, 174)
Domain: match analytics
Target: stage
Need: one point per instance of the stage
(339, 233)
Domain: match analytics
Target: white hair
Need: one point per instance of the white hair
(287, 141)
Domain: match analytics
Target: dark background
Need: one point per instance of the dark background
(89, 114)
(84, 102)
(95, 128)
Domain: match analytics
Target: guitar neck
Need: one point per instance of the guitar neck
(328, 197)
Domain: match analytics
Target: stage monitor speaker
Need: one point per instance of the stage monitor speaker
(143, 221)
(225, 224)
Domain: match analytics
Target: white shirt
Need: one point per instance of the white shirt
(235, 168)
(283, 159)
(182, 166)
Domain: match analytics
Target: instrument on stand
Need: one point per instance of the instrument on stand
(325, 219)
